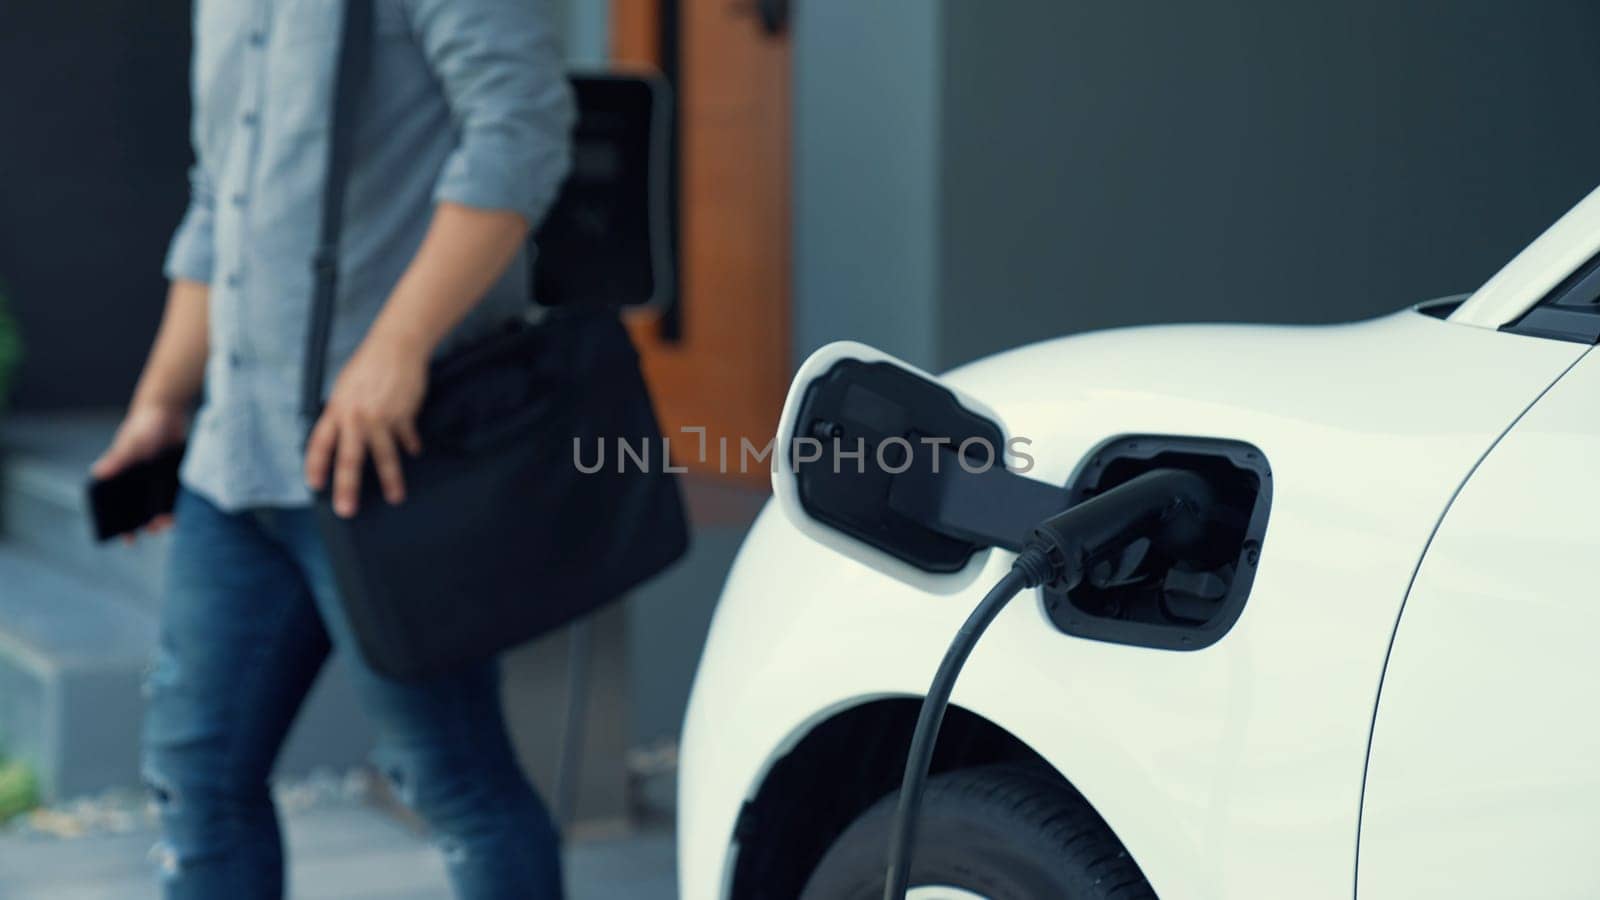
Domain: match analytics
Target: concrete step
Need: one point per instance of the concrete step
(72, 655)
(44, 462)
(77, 623)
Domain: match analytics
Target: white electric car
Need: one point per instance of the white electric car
(1380, 676)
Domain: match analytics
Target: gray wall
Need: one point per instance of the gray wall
(1100, 164)
(586, 29)
(866, 174)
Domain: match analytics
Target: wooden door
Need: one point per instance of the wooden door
(728, 369)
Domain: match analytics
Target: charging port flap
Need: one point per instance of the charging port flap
(856, 422)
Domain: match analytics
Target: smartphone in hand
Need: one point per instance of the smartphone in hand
(130, 499)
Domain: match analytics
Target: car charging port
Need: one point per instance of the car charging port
(1153, 543)
(1166, 596)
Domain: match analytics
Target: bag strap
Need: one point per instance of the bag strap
(355, 63)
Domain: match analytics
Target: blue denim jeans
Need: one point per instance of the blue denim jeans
(250, 616)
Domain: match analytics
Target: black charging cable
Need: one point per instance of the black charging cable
(1028, 571)
(1168, 506)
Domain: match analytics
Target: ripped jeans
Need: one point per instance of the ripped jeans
(250, 616)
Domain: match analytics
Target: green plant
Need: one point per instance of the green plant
(19, 790)
(10, 347)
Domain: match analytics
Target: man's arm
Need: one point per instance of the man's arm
(176, 367)
(499, 64)
(158, 416)
(374, 403)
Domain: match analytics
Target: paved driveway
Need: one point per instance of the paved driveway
(337, 852)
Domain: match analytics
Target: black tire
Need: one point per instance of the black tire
(1003, 832)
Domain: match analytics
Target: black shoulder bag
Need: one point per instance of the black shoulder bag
(502, 536)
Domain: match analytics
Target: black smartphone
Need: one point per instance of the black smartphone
(128, 500)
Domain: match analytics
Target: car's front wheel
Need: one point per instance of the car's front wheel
(991, 833)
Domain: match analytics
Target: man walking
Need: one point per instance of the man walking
(459, 144)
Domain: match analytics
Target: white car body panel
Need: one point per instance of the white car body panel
(1232, 771)
(1484, 780)
(1564, 246)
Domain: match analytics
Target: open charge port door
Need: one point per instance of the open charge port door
(887, 464)
(1148, 598)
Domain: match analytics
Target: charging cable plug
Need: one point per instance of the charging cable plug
(1166, 506)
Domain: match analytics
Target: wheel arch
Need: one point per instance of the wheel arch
(840, 767)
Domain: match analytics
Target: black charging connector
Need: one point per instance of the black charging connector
(1168, 507)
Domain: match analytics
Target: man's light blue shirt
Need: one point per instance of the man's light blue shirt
(467, 102)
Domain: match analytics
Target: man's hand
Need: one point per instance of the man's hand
(147, 430)
(372, 410)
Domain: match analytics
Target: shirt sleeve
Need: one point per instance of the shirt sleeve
(499, 62)
(190, 256)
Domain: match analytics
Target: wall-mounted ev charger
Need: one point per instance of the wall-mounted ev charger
(1155, 544)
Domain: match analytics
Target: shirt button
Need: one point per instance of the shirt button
(233, 280)
(238, 199)
(249, 119)
(257, 38)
